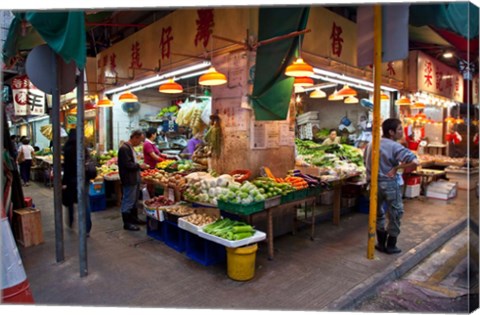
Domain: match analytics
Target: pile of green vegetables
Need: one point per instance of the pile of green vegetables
(230, 229)
(326, 155)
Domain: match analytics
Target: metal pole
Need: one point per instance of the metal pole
(377, 70)
(81, 193)
(57, 165)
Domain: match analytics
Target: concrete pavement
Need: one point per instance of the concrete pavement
(331, 273)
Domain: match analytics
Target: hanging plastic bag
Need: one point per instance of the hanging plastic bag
(207, 111)
(145, 194)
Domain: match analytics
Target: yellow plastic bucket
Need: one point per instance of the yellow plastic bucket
(241, 262)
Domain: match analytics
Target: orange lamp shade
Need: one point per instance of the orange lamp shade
(347, 91)
(105, 102)
(303, 81)
(128, 97)
(384, 97)
(299, 69)
(212, 77)
(335, 97)
(403, 101)
(418, 105)
(171, 87)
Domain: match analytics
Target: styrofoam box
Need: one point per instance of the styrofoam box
(187, 226)
(257, 237)
(442, 190)
(412, 191)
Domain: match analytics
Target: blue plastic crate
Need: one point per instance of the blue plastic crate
(155, 228)
(204, 251)
(96, 189)
(98, 203)
(174, 236)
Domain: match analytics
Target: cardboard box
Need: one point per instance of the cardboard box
(28, 226)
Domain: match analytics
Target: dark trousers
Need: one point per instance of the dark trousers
(25, 167)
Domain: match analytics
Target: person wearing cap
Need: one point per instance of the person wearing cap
(332, 138)
(151, 154)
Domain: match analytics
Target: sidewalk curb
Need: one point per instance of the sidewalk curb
(401, 266)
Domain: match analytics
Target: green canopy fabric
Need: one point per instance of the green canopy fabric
(272, 89)
(64, 32)
(461, 18)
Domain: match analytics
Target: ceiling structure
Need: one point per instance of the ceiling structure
(105, 28)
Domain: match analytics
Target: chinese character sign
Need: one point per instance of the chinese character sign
(135, 62)
(165, 42)
(205, 25)
(438, 78)
(337, 40)
(27, 99)
(391, 69)
(475, 91)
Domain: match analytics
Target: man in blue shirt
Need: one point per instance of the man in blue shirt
(393, 156)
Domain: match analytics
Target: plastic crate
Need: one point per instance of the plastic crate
(174, 236)
(241, 209)
(314, 191)
(155, 229)
(98, 203)
(204, 251)
(288, 197)
(96, 189)
(300, 194)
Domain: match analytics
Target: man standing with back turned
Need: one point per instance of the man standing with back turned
(129, 171)
(393, 156)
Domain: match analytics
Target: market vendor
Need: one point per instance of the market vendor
(332, 138)
(193, 143)
(151, 154)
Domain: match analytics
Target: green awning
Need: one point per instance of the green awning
(461, 18)
(64, 32)
(272, 89)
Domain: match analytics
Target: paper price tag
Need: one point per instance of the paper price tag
(171, 194)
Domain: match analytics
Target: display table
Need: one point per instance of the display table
(428, 176)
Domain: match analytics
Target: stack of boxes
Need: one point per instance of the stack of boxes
(306, 122)
(96, 193)
(412, 188)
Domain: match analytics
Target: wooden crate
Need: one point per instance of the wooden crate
(28, 227)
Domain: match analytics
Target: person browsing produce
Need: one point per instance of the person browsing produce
(151, 154)
(332, 138)
(129, 171)
(393, 156)
(194, 142)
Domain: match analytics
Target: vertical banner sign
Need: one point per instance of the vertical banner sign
(475, 94)
(27, 99)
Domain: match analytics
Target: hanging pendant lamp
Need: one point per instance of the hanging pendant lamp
(384, 97)
(299, 69)
(403, 101)
(418, 105)
(317, 93)
(347, 91)
(212, 77)
(105, 102)
(128, 97)
(303, 81)
(171, 87)
(335, 97)
(351, 100)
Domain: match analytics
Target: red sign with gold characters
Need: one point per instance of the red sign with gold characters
(27, 99)
(435, 77)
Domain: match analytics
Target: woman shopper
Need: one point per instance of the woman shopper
(129, 171)
(69, 180)
(393, 156)
(25, 156)
(151, 154)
